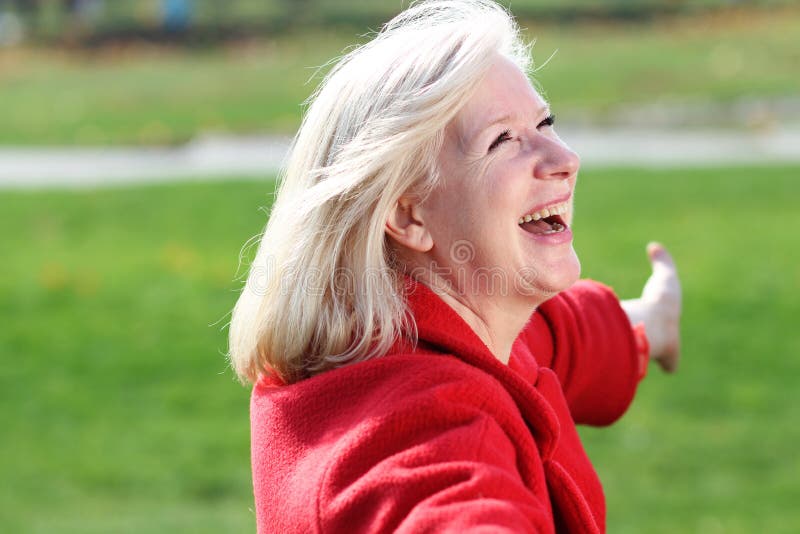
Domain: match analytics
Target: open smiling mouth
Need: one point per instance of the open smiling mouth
(546, 221)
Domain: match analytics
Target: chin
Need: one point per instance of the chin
(548, 279)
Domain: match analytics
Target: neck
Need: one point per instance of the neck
(497, 320)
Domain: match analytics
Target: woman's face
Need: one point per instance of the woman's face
(501, 163)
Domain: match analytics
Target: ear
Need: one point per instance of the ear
(405, 225)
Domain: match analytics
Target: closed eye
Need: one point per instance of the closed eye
(506, 135)
(502, 138)
(549, 121)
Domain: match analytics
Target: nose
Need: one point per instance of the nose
(555, 160)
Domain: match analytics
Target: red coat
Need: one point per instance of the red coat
(446, 438)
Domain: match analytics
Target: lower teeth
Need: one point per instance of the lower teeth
(556, 227)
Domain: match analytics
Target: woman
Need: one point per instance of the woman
(418, 343)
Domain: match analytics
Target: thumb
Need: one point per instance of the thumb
(663, 284)
(660, 259)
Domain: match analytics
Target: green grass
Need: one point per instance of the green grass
(155, 96)
(713, 448)
(597, 69)
(119, 414)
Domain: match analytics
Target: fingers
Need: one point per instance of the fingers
(660, 259)
(663, 290)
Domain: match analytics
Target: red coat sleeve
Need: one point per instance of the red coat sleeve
(439, 461)
(584, 335)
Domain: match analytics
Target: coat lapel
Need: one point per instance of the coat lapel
(441, 328)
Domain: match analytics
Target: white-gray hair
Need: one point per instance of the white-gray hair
(322, 291)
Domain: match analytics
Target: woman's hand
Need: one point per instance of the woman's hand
(659, 308)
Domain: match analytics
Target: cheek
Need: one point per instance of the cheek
(507, 188)
(451, 216)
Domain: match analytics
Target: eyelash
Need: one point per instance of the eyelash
(506, 135)
(549, 121)
(502, 138)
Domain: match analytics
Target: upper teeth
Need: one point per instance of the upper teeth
(558, 209)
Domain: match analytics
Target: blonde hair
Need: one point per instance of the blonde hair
(322, 291)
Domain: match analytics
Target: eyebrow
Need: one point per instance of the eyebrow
(503, 118)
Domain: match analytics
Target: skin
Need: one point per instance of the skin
(659, 308)
(500, 160)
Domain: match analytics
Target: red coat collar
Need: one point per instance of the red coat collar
(441, 329)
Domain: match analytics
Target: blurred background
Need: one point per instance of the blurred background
(139, 143)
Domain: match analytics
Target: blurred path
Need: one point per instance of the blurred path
(259, 157)
(76, 167)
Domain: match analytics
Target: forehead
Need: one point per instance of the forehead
(504, 91)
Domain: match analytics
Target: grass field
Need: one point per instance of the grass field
(155, 96)
(121, 416)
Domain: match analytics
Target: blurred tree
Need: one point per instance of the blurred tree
(17, 18)
(82, 16)
(298, 12)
